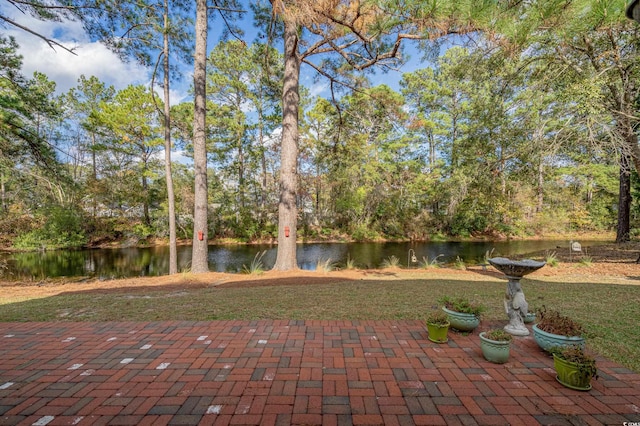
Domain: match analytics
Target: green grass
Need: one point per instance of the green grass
(609, 312)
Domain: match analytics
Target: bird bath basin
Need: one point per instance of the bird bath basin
(515, 303)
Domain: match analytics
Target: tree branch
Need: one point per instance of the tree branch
(52, 43)
(57, 7)
(153, 83)
(220, 11)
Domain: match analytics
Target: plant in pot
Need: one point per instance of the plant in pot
(495, 345)
(438, 326)
(574, 367)
(531, 315)
(556, 330)
(463, 314)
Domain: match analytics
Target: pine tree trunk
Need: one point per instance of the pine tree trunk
(200, 253)
(145, 203)
(173, 244)
(94, 172)
(540, 187)
(3, 193)
(287, 209)
(624, 201)
(263, 183)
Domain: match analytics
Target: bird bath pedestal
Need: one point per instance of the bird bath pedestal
(514, 302)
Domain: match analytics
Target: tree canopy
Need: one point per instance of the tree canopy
(508, 127)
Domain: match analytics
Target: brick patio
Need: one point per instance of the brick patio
(288, 372)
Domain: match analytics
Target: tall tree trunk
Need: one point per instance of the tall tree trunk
(630, 156)
(3, 192)
(318, 193)
(93, 156)
(241, 167)
(540, 187)
(287, 209)
(200, 253)
(173, 244)
(145, 194)
(624, 201)
(94, 172)
(263, 167)
(432, 151)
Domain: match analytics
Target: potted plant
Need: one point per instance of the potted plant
(495, 345)
(463, 314)
(574, 367)
(438, 326)
(556, 330)
(531, 315)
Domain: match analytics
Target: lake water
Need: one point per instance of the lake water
(154, 261)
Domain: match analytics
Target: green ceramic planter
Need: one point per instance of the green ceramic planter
(494, 350)
(570, 375)
(438, 333)
(461, 321)
(548, 341)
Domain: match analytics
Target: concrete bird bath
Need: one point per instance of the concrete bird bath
(514, 302)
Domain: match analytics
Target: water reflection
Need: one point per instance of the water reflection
(154, 261)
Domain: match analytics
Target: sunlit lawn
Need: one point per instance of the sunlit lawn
(609, 312)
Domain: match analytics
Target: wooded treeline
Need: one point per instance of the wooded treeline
(491, 137)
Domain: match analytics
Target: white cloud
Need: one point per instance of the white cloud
(177, 156)
(91, 59)
(320, 88)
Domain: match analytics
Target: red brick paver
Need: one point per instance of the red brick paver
(288, 372)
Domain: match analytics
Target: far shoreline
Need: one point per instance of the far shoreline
(607, 237)
(589, 236)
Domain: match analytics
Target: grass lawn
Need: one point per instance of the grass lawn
(610, 312)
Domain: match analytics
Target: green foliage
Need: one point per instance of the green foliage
(586, 363)
(551, 259)
(325, 265)
(142, 230)
(350, 263)
(462, 305)
(459, 263)
(481, 142)
(498, 334)
(391, 262)
(61, 228)
(14, 223)
(586, 260)
(364, 233)
(425, 263)
(437, 317)
(552, 321)
(25, 105)
(256, 267)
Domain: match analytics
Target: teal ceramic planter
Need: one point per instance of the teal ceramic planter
(461, 321)
(494, 350)
(547, 341)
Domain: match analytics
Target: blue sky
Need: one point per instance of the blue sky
(94, 59)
